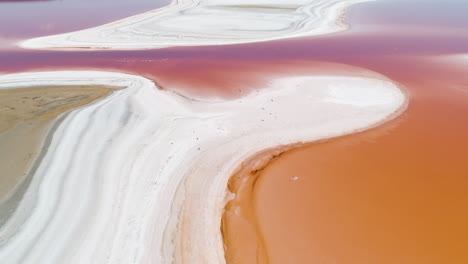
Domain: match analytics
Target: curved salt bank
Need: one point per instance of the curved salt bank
(141, 175)
(207, 22)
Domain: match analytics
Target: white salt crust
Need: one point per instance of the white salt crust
(207, 22)
(141, 175)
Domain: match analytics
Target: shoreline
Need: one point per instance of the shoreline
(194, 252)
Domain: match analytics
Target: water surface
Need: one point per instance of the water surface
(393, 194)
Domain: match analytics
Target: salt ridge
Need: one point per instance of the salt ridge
(207, 22)
(141, 176)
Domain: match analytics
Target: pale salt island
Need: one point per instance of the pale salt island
(207, 22)
(105, 192)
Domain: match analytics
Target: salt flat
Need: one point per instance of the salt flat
(140, 176)
(207, 22)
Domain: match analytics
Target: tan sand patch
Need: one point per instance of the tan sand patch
(26, 115)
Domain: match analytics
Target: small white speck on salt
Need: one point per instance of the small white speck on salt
(294, 178)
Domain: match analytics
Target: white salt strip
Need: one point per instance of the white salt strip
(207, 22)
